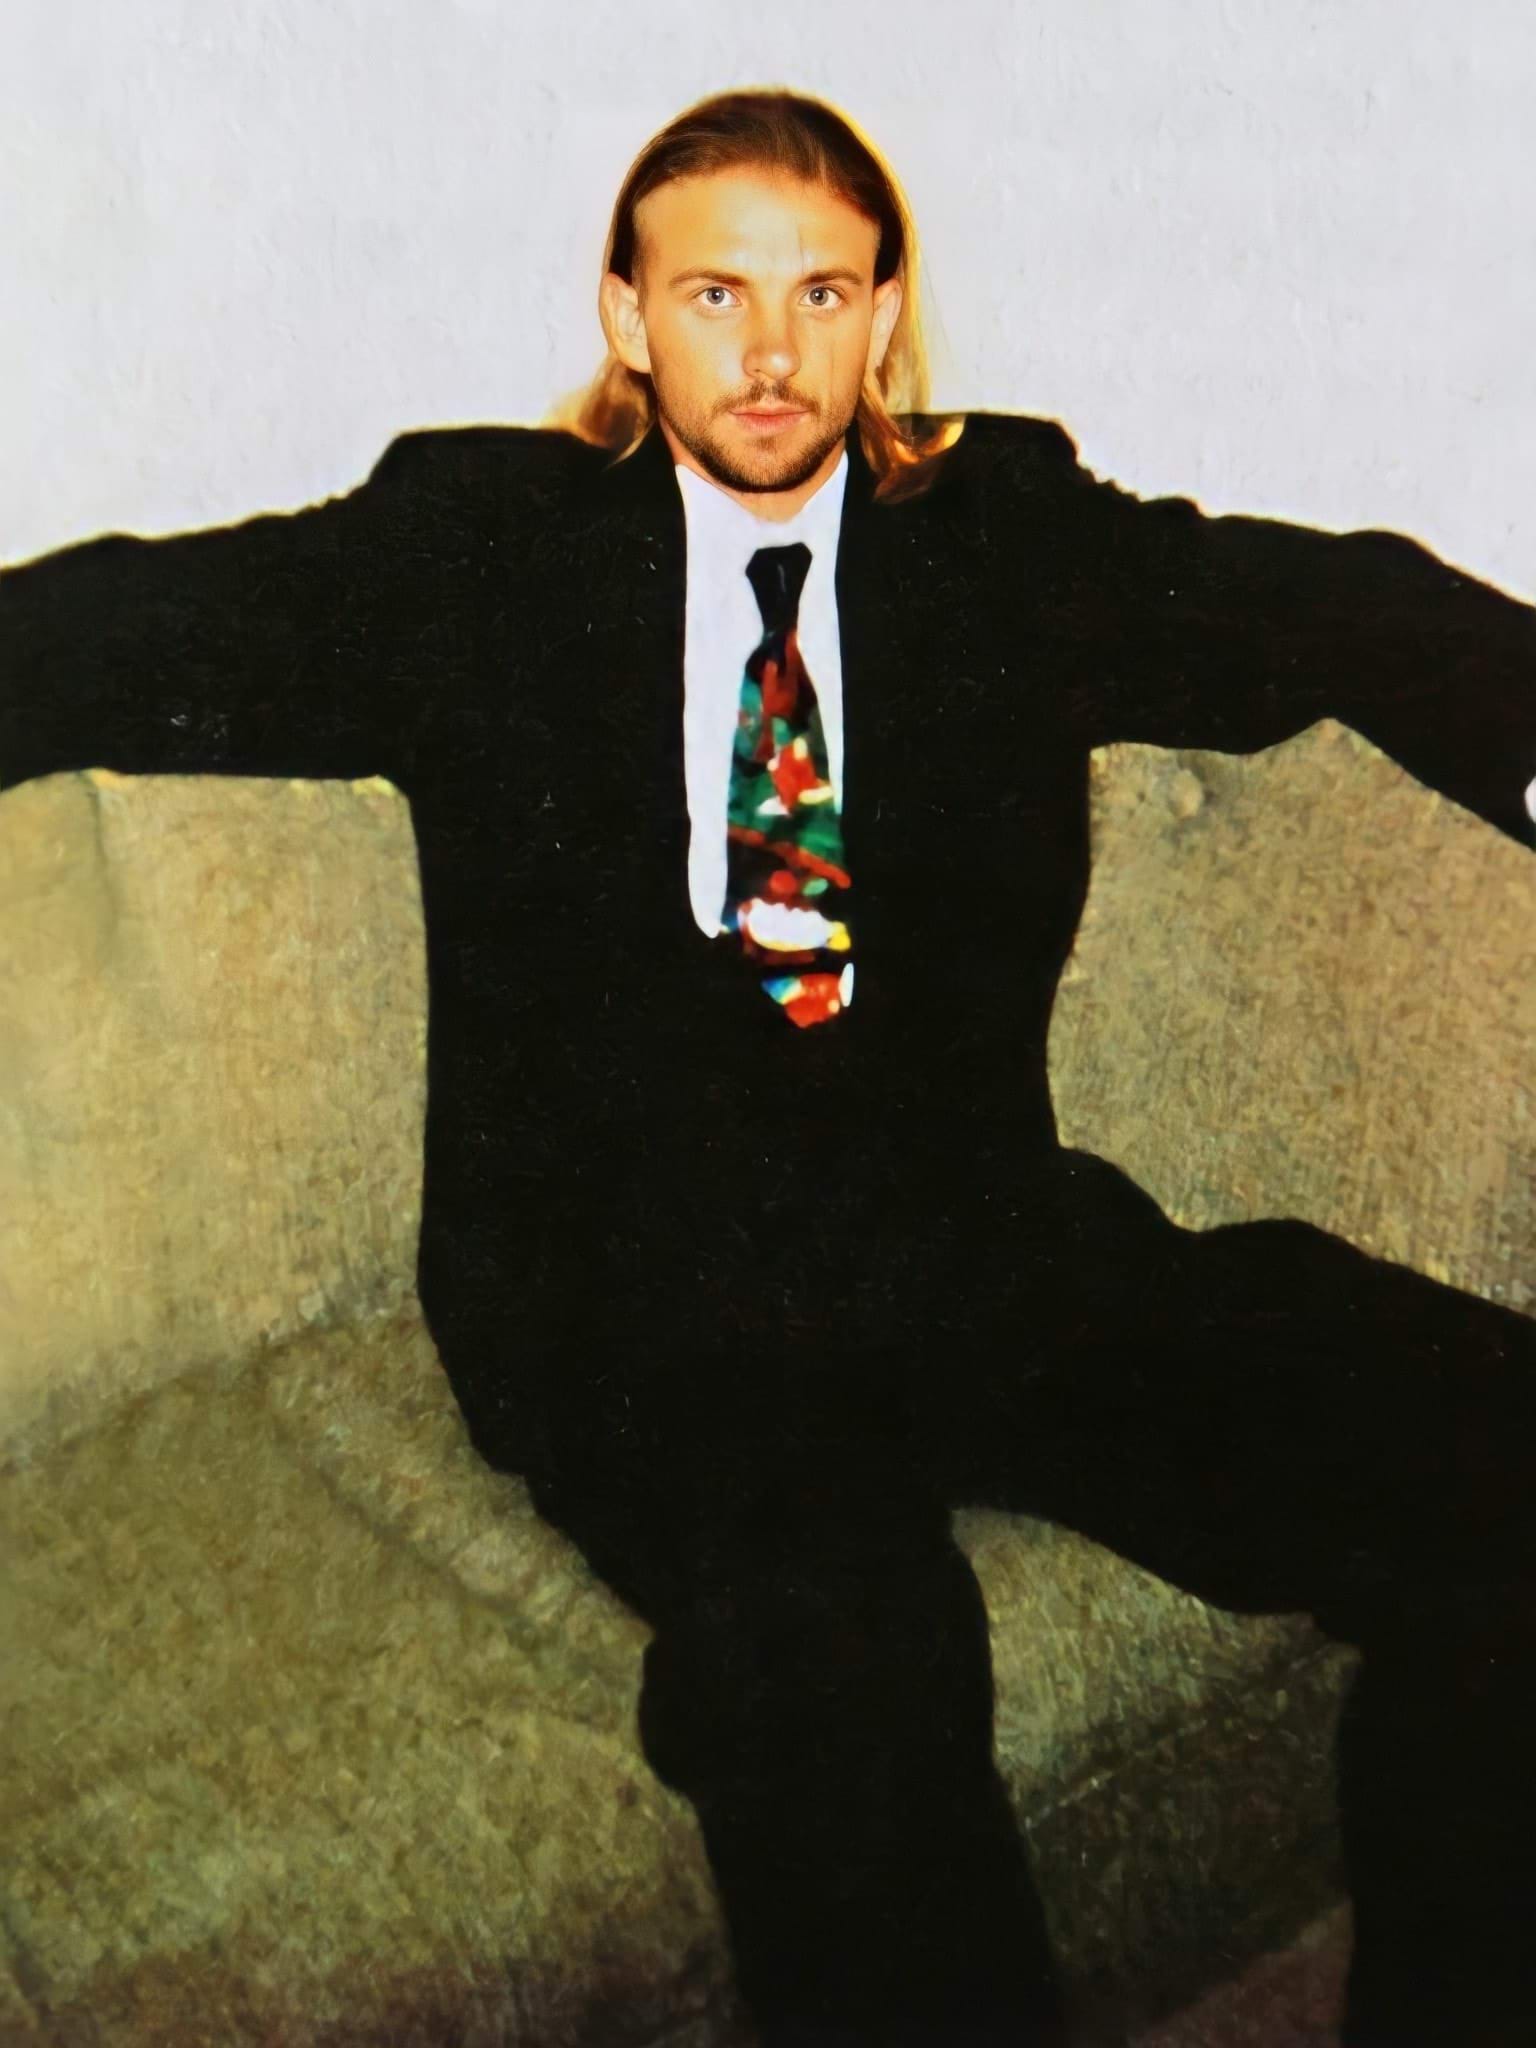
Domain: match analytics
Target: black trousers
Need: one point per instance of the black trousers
(1260, 1414)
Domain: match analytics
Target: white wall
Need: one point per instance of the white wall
(1278, 255)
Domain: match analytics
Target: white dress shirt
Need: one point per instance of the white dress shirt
(722, 626)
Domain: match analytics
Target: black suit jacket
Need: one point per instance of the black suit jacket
(627, 1145)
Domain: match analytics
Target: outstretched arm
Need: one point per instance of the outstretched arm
(1186, 630)
(240, 650)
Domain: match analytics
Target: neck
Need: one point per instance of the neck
(772, 505)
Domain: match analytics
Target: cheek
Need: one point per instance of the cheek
(702, 362)
(844, 362)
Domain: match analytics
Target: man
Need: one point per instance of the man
(756, 1267)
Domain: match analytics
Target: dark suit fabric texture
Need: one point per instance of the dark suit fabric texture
(752, 1307)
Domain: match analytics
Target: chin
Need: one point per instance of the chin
(748, 464)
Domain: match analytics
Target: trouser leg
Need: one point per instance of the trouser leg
(819, 1685)
(1276, 1421)
(1438, 1807)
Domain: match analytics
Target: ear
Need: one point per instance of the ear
(887, 303)
(618, 307)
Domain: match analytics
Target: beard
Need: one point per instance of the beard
(766, 468)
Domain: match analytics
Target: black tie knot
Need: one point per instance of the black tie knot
(778, 576)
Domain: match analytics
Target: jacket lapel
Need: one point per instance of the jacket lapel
(638, 554)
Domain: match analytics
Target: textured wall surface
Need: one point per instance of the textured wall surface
(1305, 985)
(1274, 254)
(212, 1081)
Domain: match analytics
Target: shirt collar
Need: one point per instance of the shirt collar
(722, 528)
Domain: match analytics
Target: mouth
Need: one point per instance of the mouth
(769, 419)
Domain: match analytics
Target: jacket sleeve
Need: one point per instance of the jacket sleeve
(1234, 632)
(239, 650)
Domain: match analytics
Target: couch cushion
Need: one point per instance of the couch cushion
(320, 1732)
(1305, 985)
(212, 1062)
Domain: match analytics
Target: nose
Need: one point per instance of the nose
(771, 353)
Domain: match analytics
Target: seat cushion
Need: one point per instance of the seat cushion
(318, 1731)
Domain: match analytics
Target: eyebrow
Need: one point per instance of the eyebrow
(852, 277)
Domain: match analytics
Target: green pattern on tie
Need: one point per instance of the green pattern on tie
(787, 883)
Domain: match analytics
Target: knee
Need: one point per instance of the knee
(820, 1672)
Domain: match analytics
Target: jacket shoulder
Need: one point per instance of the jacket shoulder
(435, 458)
(1018, 452)
(1022, 438)
(472, 472)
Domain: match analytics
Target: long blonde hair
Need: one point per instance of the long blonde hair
(806, 139)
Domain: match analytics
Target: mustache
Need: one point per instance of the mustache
(766, 398)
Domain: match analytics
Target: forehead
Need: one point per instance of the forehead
(752, 222)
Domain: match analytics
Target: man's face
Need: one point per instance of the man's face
(752, 290)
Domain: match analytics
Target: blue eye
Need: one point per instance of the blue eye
(705, 293)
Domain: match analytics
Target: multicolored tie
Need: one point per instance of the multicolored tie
(786, 885)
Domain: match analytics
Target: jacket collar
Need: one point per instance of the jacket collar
(642, 489)
(725, 534)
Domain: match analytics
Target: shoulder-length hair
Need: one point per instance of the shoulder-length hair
(795, 136)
